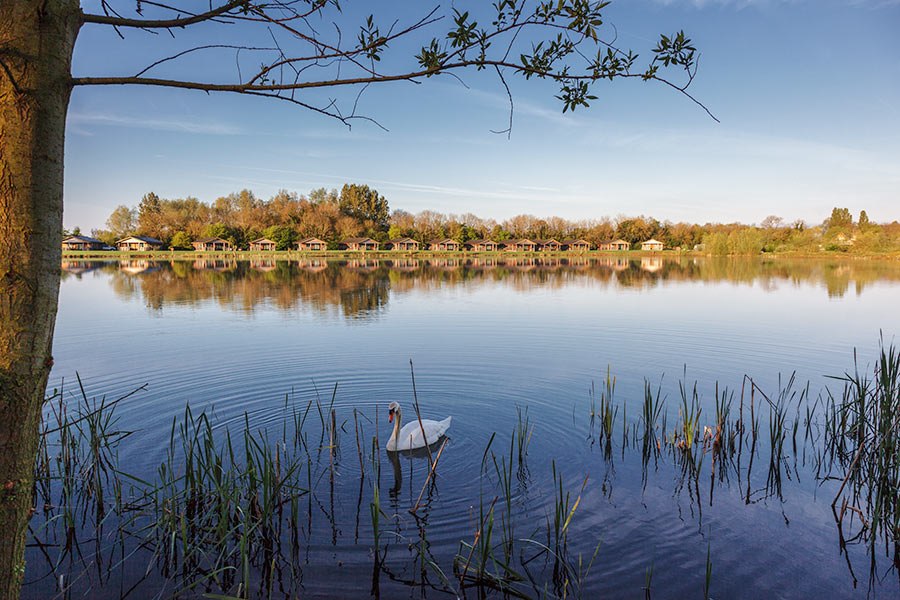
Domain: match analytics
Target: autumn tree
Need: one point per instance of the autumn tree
(840, 219)
(365, 204)
(280, 49)
(863, 222)
(121, 221)
(149, 213)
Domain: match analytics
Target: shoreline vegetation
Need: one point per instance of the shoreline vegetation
(357, 212)
(231, 510)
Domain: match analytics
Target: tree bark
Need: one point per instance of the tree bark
(36, 41)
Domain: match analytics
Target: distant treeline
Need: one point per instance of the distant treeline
(358, 210)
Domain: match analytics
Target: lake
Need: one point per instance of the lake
(491, 342)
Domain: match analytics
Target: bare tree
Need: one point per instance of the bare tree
(287, 50)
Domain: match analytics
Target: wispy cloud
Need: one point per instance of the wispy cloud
(83, 121)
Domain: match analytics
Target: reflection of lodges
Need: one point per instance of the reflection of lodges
(404, 264)
(314, 265)
(578, 262)
(263, 265)
(651, 263)
(445, 263)
(522, 264)
(549, 263)
(616, 264)
(221, 265)
(133, 267)
(482, 263)
(77, 267)
(366, 265)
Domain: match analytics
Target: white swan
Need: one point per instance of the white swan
(410, 437)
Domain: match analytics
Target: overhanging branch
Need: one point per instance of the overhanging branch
(116, 21)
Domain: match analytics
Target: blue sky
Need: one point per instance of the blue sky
(807, 91)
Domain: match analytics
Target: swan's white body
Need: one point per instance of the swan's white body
(410, 437)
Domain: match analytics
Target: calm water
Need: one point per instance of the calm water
(487, 336)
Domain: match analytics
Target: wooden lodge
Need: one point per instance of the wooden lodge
(576, 245)
(263, 245)
(138, 243)
(652, 245)
(212, 245)
(444, 245)
(403, 245)
(359, 244)
(550, 245)
(520, 245)
(82, 242)
(615, 245)
(481, 246)
(312, 244)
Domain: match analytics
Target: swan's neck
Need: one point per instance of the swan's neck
(396, 433)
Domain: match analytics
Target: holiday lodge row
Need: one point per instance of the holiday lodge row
(140, 243)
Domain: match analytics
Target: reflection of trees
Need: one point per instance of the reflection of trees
(362, 288)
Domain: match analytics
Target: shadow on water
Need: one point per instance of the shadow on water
(249, 511)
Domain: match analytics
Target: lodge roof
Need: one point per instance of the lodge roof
(260, 240)
(83, 238)
(212, 240)
(143, 238)
(358, 240)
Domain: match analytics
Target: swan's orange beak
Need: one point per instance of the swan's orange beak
(390, 416)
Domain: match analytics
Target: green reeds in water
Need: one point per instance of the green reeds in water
(863, 438)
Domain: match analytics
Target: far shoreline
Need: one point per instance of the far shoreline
(184, 255)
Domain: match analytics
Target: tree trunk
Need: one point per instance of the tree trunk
(36, 41)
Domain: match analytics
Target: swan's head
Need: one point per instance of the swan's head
(393, 408)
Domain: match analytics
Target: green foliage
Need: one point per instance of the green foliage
(181, 241)
(364, 203)
(863, 220)
(639, 229)
(716, 243)
(122, 222)
(283, 236)
(105, 236)
(221, 230)
(148, 216)
(745, 241)
(395, 232)
(840, 219)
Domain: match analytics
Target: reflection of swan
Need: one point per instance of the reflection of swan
(394, 457)
(410, 437)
